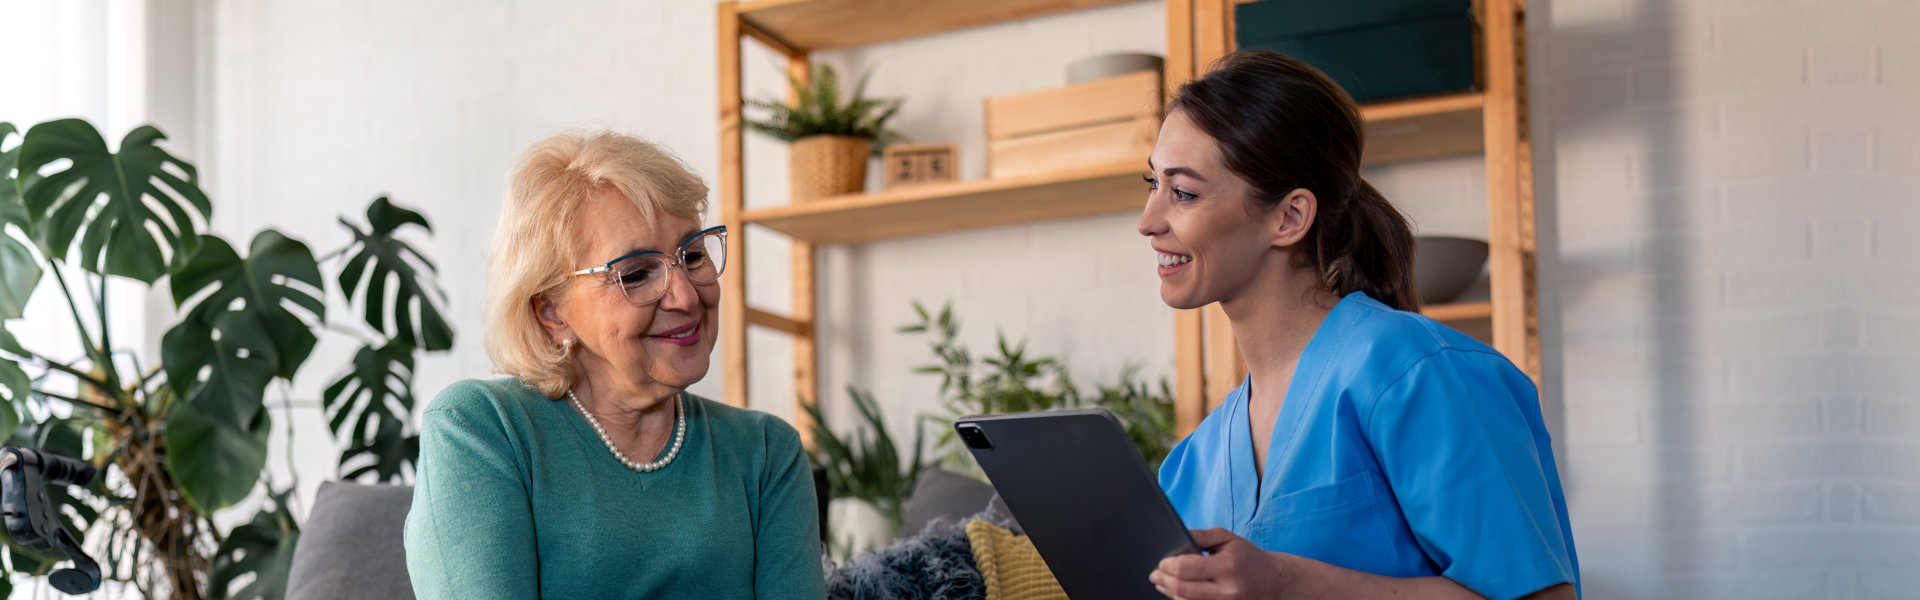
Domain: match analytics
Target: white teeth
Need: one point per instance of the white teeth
(683, 335)
(1168, 260)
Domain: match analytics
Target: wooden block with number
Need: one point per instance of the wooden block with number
(921, 164)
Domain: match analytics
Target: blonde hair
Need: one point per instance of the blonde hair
(532, 247)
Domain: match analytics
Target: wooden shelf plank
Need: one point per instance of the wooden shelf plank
(1463, 311)
(1402, 130)
(940, 208)
(1423, 128)
(826, 24)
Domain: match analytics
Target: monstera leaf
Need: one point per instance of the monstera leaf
(15, 385)
(19, 272)
(263, 548)
(262, 285)
(241, 334)
(215, 458)
(109, 201)
(379, 258)
(377, 395)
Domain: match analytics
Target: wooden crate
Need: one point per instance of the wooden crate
(1107, 143)
(1098, 122)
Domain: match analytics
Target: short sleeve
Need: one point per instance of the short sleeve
(1459, 439)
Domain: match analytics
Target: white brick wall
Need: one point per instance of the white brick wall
(1730, 281)
(1727, 192)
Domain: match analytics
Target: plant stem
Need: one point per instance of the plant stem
(286, 391)
(343, 250)
(106, 340)
(83, 376)
(76, 401)
(86, 338)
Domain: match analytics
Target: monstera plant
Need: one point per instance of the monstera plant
(178, 441)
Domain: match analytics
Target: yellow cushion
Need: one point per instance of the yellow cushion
(1011, 567)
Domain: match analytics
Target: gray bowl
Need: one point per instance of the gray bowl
(1443, 266)
(1111, 65)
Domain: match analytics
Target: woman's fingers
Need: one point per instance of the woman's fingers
(1186, 589)
(1212, 539)
(1194, 567)
(1202, 576)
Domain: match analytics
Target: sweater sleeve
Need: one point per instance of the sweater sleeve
(787, 527)
(470, 531)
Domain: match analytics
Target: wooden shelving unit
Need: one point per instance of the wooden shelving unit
(1198, 31)
(966, 205)
(812, 25)
(1491, 121)
(1424, 128)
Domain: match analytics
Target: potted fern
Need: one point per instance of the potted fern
(831, 139)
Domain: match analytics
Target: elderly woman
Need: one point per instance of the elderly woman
(589, 472)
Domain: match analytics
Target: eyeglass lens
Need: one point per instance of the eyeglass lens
(643, 278)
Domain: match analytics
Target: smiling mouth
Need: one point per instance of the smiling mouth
(1172, 260)
(682, 335)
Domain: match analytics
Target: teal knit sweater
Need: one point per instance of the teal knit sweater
(516, 497)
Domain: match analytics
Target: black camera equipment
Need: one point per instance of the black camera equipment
(32, 519)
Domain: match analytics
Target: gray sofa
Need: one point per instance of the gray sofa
(351, 546)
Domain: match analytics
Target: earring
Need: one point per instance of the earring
(566, 346)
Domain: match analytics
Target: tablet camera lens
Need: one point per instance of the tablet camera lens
(974, 437)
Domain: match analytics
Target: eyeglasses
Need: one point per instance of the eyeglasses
(642, 276)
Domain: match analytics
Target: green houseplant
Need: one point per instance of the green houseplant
(177, 441)
(866, 465)
(1013, 381)
(831, 138)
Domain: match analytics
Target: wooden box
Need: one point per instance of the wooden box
(1094, 123)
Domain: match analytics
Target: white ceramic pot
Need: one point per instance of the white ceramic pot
(1111, 65)
(856, 526)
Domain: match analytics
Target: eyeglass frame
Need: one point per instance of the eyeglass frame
(679, 255)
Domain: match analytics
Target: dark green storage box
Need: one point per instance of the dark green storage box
(1375, 49)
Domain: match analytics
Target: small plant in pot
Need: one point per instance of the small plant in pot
(868, 477)
(832, 134)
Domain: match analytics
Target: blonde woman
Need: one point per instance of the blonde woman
(589, 472)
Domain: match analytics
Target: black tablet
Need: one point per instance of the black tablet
(1078, 487)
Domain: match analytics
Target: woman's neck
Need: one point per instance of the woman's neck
(1273, 319)
(642, 414)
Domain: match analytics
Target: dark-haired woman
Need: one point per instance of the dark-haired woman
(1371, 452)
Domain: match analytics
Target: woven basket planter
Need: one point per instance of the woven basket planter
(829, 165)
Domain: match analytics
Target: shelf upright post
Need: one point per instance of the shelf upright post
(733, 281)
(1510, 192)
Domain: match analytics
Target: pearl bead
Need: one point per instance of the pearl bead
(679, 435)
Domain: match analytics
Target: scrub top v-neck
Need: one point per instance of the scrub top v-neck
(1402, 448)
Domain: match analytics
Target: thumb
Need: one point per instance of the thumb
(1213, 539)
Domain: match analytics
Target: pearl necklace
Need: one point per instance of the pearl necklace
(679, 435)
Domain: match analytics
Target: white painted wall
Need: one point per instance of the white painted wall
(1728, 216)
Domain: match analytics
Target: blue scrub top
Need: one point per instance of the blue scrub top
(1404, 448)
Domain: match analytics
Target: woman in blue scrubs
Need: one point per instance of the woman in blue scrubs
(1371, 452)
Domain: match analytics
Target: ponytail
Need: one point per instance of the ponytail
(1377, 255)
(1282, 125)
